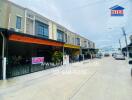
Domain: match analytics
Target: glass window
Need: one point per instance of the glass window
(78, 41)
(66, 38)
(42, 30)
(60, 36)
(18, 22)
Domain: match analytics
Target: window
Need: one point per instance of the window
(60, 36)
(66, 38)
(18, 22)
(78, 41)
(42, 29)
(89, 44)
(85, 43)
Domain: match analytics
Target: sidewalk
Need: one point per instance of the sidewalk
(60, 83)
(37, 75)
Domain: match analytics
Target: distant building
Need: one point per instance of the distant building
(131, 38)
(129, 48)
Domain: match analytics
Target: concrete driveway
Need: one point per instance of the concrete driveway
(98, 79)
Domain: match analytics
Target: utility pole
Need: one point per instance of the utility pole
(124, 33)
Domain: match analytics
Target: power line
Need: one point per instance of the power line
(93, 3)
(86, 5)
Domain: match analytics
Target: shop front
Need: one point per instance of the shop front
(27, 54)
(89, 53)
(72, 51)
(124, 50)
(86, 53)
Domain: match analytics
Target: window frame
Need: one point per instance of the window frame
(18, 22)
(60, 34)
(78, 41)
(42, 29)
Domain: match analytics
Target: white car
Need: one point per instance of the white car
(120, 57)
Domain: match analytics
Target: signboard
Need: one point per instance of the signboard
(37, 60)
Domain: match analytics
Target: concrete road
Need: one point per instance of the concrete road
(99, 79)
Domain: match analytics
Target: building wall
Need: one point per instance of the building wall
(14, 12)
(3, 14)
(29, 22)
(91, 45)
(29, 26)
(54, 28)
(71, 38)
(82, 42)
(51, 35)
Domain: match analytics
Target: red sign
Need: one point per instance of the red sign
(37, 60)
(117, 12)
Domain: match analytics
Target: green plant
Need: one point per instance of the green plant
(57, 57)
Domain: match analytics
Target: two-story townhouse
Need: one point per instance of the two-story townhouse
(26, 34)
(87, 47)
(70, 47)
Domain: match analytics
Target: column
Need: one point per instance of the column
(25, 22)
(34, 25)
(3, 57)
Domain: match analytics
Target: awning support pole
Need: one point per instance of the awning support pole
(3, 58)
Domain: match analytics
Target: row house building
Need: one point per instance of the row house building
(25, 34)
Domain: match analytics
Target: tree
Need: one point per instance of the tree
(57, 57)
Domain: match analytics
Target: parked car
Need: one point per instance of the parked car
(99, 56)
(106, 55)
(120, 57)
(114, 55)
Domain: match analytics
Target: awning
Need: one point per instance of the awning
(35, 40)
(71, 46)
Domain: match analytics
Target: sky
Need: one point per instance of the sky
(89, 18)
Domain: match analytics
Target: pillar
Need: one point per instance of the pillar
(3, 57)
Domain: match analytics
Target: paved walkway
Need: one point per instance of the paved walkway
(100, 79)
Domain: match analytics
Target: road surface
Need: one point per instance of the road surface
(98, 79)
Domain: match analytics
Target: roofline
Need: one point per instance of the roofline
(47, 19)
(17, 5)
